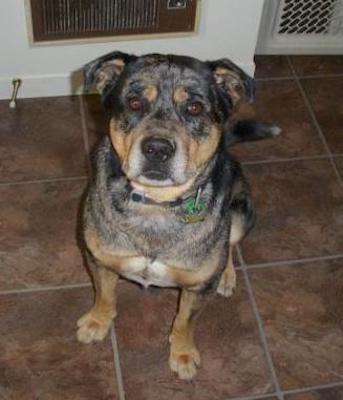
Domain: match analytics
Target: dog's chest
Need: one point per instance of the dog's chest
(147, 272)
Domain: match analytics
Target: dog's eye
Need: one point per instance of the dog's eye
(135, 104)
(195, 108)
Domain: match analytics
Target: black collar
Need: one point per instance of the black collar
(193, 208)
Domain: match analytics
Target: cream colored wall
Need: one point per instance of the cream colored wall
(227, 28)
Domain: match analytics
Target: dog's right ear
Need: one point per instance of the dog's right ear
(105, 71)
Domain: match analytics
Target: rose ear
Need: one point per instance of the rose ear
(105, 71)
(233, 81)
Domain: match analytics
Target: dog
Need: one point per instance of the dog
(167, 202)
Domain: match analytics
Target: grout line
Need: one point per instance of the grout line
(319, 76)
(85, 131)
(256, 397)
(117, 367)
(47, 180)
(295, 261)
(309, 108)
(259, 321)
(281, 160)
(311, 388)
(315, 121)
(45, 288)
(340, 176)
(285, 78)
(275, 78)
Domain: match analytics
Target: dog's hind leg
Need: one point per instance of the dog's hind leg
(184, 356)
(227, 281)
(95, 324)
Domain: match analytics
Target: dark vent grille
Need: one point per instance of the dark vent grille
(72, 19)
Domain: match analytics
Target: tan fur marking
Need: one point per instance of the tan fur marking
(118, 262)
(180, 95)
(161, 194)
(200, 152)
(150, 93)
(183, 277)
(121, 142)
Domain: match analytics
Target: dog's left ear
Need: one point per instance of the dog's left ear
(233, 81)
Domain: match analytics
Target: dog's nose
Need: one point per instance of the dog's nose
(157, 149)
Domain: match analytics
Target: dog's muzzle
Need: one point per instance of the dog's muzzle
(157, 152)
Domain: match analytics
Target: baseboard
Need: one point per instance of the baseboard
(43, 85)
(58, 84)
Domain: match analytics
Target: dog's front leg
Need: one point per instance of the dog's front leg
(95, 324)
(228, 279)
(184, 356)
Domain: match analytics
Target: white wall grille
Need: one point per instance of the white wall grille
(301, 26)
(311, 16)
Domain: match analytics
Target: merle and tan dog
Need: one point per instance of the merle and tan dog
(167, 202)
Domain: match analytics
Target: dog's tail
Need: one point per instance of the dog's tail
(248, 130)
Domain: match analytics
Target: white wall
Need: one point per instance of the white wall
(228, 28)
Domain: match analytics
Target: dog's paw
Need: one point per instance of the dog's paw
(227, 284)
(185, 364)
(92, 328)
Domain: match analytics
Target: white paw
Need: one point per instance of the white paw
(227, 284)
(92, 329)
(185, 364)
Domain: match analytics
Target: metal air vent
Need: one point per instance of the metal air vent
(307, 17)
(301, 26)
(78, 19)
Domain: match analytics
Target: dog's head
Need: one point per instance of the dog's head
(168, 112)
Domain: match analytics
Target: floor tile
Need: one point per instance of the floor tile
(320, 394)
(41, 138)
(40, 357)
(272, 67)
(301, 306)
(263, 398)
(317, 65)
(281, 103)
(299, 211)
(233, 362)
(266, 398)
(339, 163)
(324, 95)
(97, 119)
(38, 243)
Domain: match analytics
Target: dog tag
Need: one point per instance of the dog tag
(195, 211)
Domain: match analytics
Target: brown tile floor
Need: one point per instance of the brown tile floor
(279, 337)
(319, 394)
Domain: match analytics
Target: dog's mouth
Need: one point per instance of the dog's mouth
(155, 178)
(156, 175)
